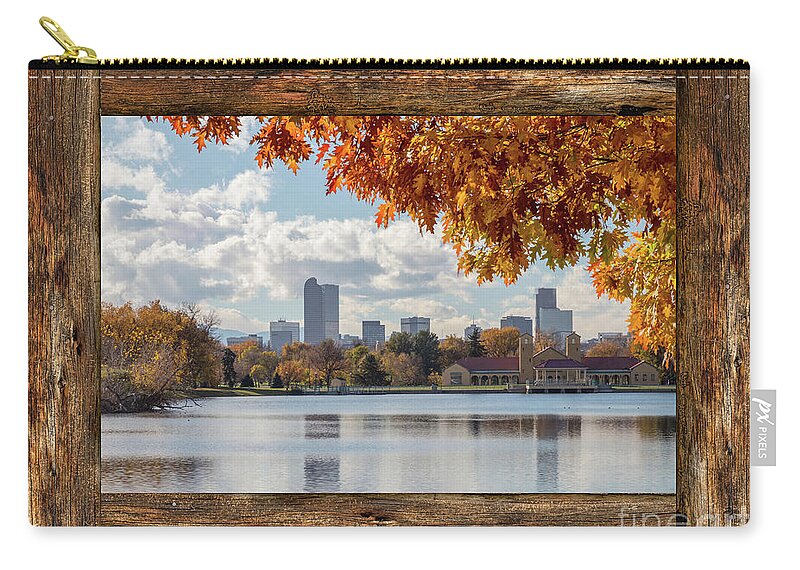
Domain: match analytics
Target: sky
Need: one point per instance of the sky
(214, 229)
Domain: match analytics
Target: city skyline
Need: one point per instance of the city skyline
(215, 230)
(321, 311)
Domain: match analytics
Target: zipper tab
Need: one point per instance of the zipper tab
(72, 53)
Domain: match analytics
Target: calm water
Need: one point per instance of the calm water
(515, 443)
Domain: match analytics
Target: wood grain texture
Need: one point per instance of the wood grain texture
(362, 509)
(713, 304)
(64, 298)
(162, 91)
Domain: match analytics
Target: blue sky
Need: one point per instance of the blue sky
(212, 228)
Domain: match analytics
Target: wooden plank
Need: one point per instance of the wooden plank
(64, 297)
(161, 91)
(388, 509)
(713, 305)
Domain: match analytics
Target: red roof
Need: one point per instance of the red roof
(483, 364)
(560, 363)
(610, 362)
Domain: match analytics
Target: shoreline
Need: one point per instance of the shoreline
(199, 393)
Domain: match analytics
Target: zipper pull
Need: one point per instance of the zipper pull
(72, 52)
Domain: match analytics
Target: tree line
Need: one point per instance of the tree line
(154, 356)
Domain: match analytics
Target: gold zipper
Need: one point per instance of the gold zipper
(74, 54)
(473, 63)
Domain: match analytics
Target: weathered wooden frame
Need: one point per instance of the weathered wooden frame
(711, 106)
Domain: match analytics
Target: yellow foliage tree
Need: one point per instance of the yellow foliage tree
(500, 342)
(150, 355)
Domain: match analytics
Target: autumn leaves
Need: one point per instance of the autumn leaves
(505, 192)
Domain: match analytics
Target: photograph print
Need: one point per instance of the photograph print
(388, 304)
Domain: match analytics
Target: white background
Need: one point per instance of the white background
(758, 32)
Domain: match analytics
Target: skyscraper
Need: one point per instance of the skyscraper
(313, 319)
(413, 325)
(555, 320)
(279, 339)
(373, 333)
(282, 332)
(330, 302)
(320, 311)
(545, 299)
(523, 324)
(549, 318)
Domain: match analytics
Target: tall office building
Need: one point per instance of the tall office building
(560, 339)
(413, 325)
(313, 312)
(373, 333)
(282, 332)
(330, 301)
(523, 324)
(555, 320)
(320, 311)
(549, 318)
(545, 299)
(279, 339)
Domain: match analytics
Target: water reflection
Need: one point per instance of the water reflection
(474, 425)
(322, 426)
(320, 474)
(546, 467)
(548, 429)
(188, 472)
(656, 427)
(554, 427)
(373, 422)
(458, 443)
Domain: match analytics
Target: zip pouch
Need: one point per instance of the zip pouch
(388, 292)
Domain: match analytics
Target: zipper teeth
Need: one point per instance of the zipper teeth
(472, 63)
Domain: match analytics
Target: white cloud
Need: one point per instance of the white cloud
(246, 190)
(115, 175)
(221, 246)
(234, 319)
(218, 246)
(226, 204)
(140, 142)
(447, 316)
(590, 314)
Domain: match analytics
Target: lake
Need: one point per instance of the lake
(409, 443)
